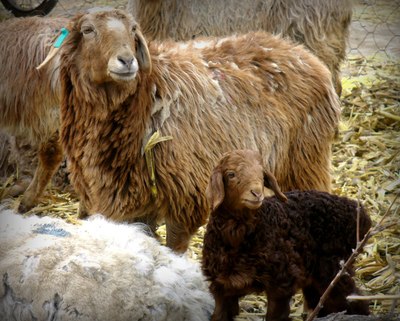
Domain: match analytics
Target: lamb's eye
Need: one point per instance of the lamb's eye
(230, 175)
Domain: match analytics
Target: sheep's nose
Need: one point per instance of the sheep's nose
(126, 61)
(256, 194)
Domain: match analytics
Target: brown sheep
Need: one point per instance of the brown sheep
(321, 25)
(248, 91)
(29, 98)
(280, 244)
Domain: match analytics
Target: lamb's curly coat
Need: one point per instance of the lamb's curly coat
(280, 247)
(253, 91)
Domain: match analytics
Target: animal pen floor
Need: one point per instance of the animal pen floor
(366, 155)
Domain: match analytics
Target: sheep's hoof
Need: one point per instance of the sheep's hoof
(82, 212)
(15, 190)
(23, 208)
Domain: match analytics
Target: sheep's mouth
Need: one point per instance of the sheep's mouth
(252, 204)
(125, 76)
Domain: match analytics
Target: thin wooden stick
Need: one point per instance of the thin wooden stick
(374, 297)
(349, 261)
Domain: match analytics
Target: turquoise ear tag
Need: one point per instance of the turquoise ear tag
(61, 38)
(56, 47)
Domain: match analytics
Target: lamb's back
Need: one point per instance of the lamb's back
(329, 220)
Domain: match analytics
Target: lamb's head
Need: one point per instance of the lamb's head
(238, 181)
(107, 46)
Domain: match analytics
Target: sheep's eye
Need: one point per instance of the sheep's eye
(134, 28)
(230, 175)
(86, 30)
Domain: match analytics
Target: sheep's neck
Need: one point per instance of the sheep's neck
(103, 139)
(109, 118)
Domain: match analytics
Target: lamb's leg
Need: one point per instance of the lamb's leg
(49, 158)
(278, 308)
(336, 301)
(226, 307)
(311, 297)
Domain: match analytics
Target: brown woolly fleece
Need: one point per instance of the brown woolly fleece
(277, 245)
(321, 25)
(212, 95)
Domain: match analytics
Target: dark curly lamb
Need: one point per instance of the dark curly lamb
(277, 244)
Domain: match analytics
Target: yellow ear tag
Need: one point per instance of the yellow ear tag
(148, 151)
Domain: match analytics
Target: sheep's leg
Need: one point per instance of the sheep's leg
(150, 220)
(178, 236)
(278, 308)
(82, 210)
(49, 158)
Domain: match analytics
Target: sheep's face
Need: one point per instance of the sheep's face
(110, 47)
(238, 181)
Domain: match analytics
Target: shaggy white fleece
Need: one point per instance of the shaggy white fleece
(99, 270)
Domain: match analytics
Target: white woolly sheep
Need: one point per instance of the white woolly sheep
(29, 98)
(249, 91)
(98, 270)
(276, 245)
(321, 25)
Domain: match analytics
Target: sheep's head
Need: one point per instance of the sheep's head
(238, 181)
(107, 46)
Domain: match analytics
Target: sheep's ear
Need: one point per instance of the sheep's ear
(143, 54)
(270, 182)
(215, 191)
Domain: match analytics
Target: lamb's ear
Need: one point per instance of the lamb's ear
(143, 54)
(270, 182)
(215, 191)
